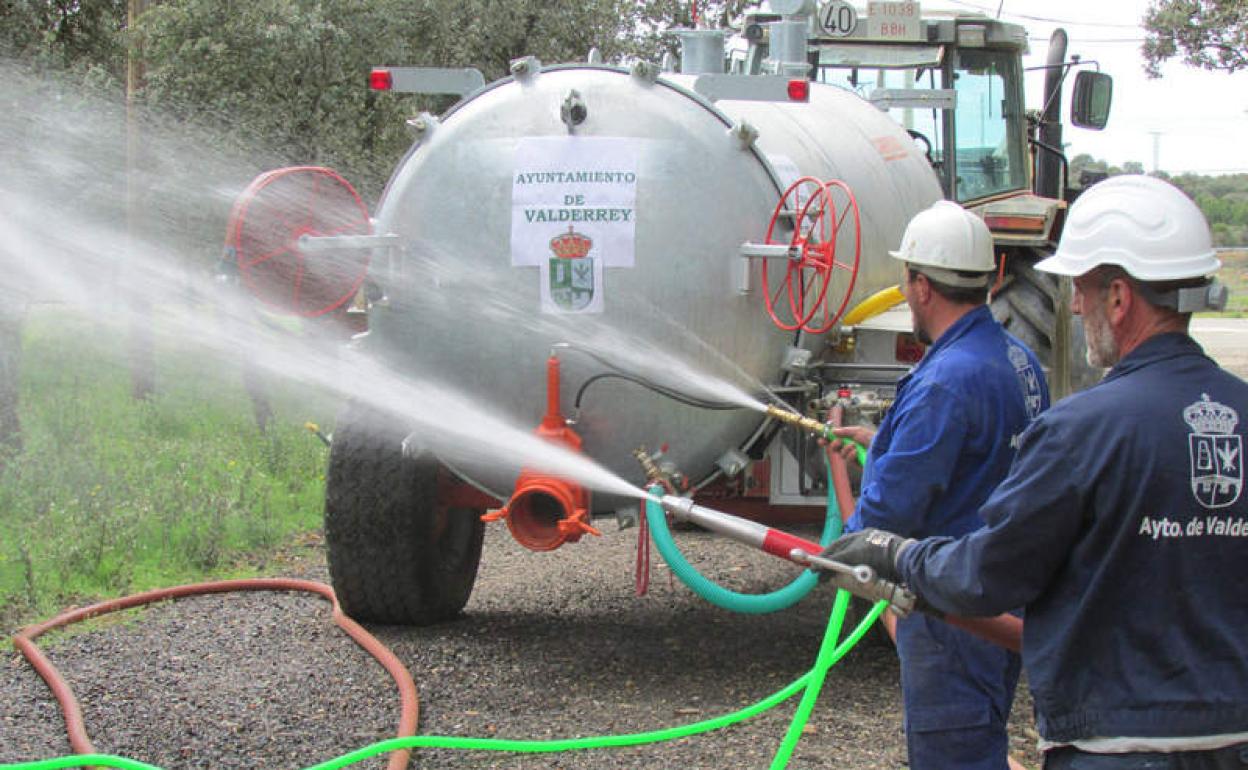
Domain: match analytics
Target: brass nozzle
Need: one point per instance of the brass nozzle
(805, 423)
(648, 466)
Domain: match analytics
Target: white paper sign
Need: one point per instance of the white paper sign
(573, 213)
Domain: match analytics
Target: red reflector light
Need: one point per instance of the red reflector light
(908, 350)
(799, 90)
(380, 80)
(843, 393)
(1014, 223)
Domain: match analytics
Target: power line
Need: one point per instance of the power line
(1046, 19)
(1103, 40)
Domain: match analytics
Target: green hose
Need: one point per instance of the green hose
(811, 681)
(755, 604)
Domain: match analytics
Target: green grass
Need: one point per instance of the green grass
(113, 495)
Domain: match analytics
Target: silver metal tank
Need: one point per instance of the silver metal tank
(460, 312)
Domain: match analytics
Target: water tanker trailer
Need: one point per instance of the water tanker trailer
(560, 242)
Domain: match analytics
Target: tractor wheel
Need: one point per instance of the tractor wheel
(1035, 307)
(395, 554)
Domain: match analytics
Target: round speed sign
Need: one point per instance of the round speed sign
(837, 18)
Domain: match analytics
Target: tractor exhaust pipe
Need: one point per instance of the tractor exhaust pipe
(1049, 181)
(546, 511)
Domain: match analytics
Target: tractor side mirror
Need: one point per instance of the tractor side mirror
(1090, 106)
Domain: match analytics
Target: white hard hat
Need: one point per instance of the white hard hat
(946, 237)
(1146, 226)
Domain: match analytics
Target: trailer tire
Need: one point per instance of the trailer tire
(1029, 304)
(395, 555)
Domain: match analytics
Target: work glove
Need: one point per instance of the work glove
(875, 548)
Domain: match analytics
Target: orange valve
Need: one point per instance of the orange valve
(546, 511)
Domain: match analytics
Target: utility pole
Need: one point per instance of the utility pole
(1156, 150)
(142, 339)
(12, 314)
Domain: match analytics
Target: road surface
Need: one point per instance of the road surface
(1225, 340)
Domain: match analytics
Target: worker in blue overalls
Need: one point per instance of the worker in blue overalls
(944, 444)
(1123, 524)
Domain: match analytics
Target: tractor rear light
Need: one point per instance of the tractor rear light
(799, 90)
(1015, 223)
(907, 349)
(380, 80)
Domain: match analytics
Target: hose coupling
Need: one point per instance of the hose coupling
(648, 466)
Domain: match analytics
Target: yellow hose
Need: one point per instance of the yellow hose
(874, 305)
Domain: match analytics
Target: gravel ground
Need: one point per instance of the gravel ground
(552, 645)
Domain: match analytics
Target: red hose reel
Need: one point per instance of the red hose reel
(819, 210)
(267, 221)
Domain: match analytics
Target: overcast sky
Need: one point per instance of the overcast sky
(1201, 117)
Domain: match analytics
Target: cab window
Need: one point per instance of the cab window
(988, 126)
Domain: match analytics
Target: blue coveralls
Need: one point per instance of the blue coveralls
(1123, 529)
(945, 443)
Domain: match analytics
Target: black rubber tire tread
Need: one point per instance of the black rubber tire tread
(1026, 306)
(392, 557)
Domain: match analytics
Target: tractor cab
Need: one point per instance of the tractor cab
(954, 81)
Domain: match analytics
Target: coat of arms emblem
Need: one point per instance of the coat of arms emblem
(571, 271)
(1027, 378)
(1216, 453)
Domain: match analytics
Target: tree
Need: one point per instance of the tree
(66, 34)
(290, 75)
(1222, 199)
(1210, 34)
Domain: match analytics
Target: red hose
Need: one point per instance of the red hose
(641, 572)
(846, 502)
(1003, 630)
(840, 471)
(24, 641)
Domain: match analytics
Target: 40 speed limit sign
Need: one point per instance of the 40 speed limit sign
(837, 18)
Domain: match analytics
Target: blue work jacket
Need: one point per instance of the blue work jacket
(949, 436)
(1122, 527)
